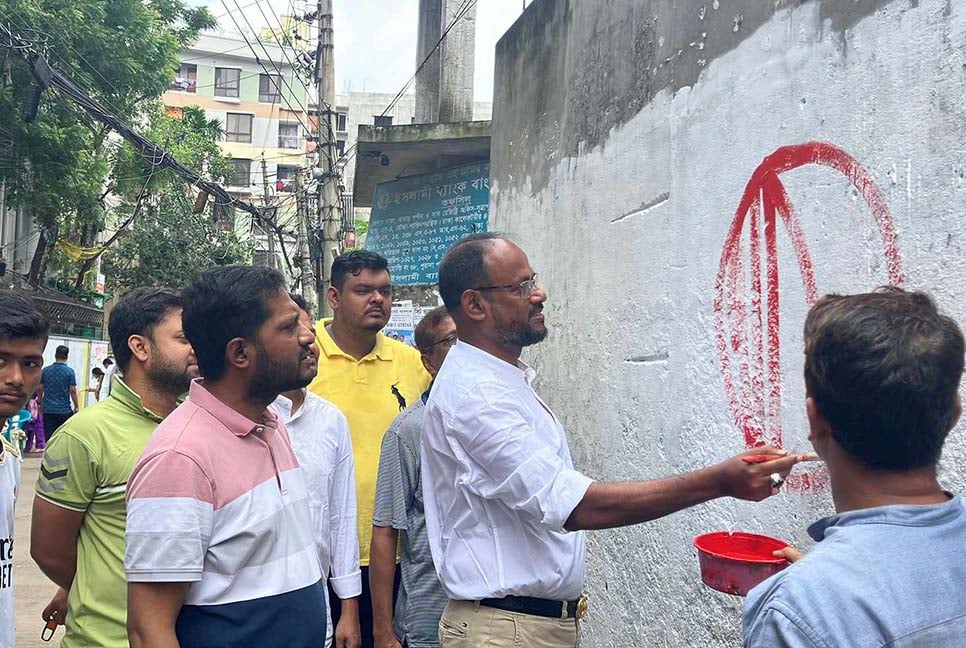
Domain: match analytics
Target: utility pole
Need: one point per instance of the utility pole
(329, 201)
(266, 200)
(307, 286)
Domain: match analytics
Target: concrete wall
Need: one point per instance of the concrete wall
(625, 134)
(363, 107)
(456, 61)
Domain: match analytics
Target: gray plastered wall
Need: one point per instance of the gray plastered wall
(624, 136)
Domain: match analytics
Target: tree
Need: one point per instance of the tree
(59, 164)
(169, 241)
(170, 244)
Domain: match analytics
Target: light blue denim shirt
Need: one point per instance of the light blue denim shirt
(889, 576)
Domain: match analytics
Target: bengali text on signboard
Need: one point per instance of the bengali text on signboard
(415, 220)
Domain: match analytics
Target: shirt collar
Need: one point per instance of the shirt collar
(130, 399)
(898, 514)
(382, 351)
(283, 404)
(239, 424)
(521, 370)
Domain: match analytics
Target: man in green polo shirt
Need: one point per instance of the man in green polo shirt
(77, 535)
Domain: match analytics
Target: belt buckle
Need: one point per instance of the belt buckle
(581, 607)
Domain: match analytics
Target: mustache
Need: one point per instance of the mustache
(307, 353)
(536, 310)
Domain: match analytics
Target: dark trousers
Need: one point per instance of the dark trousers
(365, 606)
(52, 422)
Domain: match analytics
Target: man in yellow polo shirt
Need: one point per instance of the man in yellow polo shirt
(368, 376)
(79, 514)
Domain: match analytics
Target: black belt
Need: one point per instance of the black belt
(535, 606)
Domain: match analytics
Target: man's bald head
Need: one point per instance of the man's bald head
(464, 267)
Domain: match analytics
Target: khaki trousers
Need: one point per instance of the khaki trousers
(467, 624)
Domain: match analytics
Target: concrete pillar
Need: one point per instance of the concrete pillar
(427, 79)
(456, 63)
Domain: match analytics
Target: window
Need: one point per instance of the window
(340, 147)
(238, 127)
(289, 136)
(340, 121)
(241, 173)
(227, 81)
(269, 88)
(382, 120)
(285, 178)
(186, 80)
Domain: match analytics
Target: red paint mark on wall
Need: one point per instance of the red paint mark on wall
(747, 308)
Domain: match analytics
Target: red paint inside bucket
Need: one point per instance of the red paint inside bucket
(736, 562)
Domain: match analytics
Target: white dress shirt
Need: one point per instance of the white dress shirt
(320, 438)
(498, 484)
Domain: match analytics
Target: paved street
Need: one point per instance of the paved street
(32, 588)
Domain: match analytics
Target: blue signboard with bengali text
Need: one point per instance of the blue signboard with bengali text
(415, 220)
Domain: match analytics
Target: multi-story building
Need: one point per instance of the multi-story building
(262, 105)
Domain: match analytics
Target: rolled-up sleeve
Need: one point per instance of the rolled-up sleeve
(169, 520)
(505, 458)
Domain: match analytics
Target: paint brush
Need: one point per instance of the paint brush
(762, 458)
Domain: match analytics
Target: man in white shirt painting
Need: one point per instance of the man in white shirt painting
(320, 437)
(504, 505)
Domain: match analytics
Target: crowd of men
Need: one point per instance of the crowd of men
(258, 478)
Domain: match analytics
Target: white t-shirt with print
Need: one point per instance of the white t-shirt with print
(9, 489)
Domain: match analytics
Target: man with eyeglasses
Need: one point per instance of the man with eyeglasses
(399, 509)
(370, 378)
(504, 506)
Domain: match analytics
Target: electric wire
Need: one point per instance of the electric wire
(464, 9)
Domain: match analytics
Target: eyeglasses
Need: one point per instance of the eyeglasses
(523, 289)
(447, 342)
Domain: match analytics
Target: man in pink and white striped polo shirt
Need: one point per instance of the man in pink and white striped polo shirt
(220, 547)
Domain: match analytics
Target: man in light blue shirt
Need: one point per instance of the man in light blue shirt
(882, 374)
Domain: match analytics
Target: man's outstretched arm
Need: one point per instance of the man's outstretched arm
(607, 505)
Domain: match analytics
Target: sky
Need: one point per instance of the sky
(375, 40)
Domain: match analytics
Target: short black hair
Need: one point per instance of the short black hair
(97, 371)
(355, 262)
(137, 312)
(884, 370)
(224, 303)
(301, 303)
(464, 266)
(22, 317)
(108, 362)
(61, 352)
(427, 326)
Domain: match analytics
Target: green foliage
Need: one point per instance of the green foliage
(191, 139)
(123, 53)
(168, 244)
(362, 227)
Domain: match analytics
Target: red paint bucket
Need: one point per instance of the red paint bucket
(734, 562)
